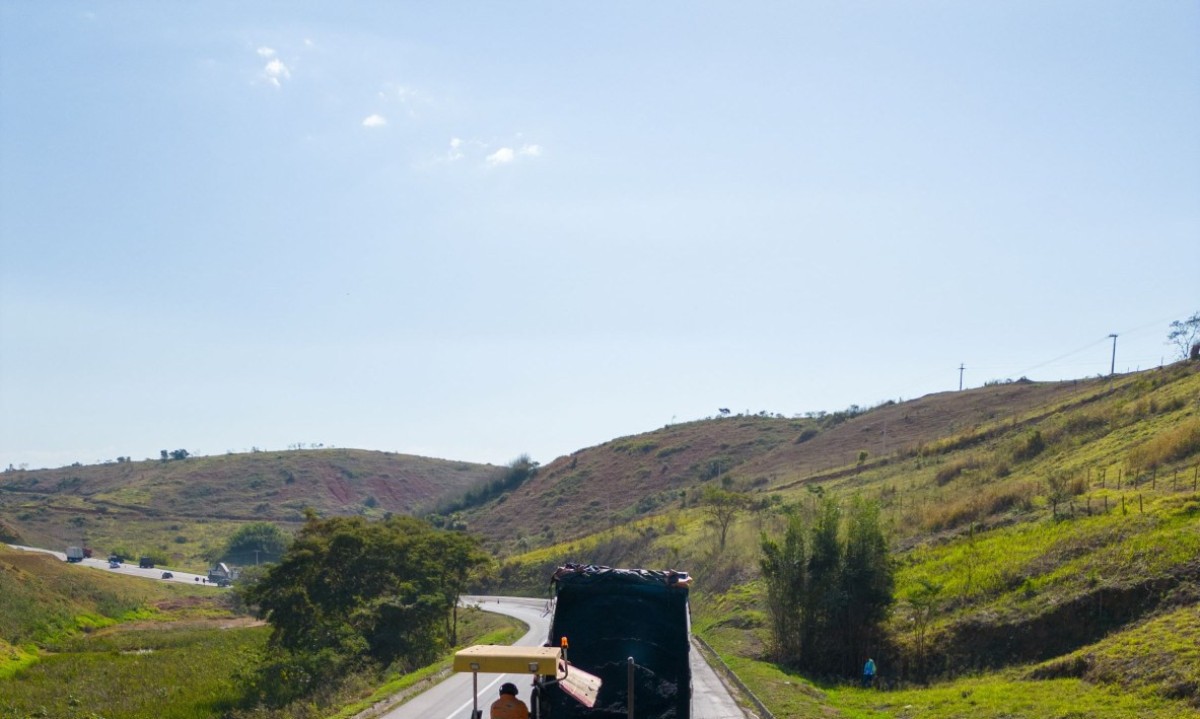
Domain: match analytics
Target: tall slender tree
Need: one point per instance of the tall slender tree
(786, 572)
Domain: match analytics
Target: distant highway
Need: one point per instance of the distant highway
(452, 698)
(130, 569)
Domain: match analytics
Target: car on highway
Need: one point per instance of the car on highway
(114, 564)
(168, 575)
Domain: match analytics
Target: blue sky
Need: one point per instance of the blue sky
(472, 231)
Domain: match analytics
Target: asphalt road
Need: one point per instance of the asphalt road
(454, 697)
(130, 569)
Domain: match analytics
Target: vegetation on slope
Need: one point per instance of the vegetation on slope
(183, 510)
(1042, 545)
(82, 644)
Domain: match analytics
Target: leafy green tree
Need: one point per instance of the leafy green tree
(350, 593)
(255, 543)
(786, 572)
(827, 595)
(823, 596)
(867, 580)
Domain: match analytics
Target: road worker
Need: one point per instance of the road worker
(508, 706)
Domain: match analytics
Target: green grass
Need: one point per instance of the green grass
(1161, 655)
(166, 673)
(1001, 697)
(1019, 569)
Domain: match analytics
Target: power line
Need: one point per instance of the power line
(1062, 357)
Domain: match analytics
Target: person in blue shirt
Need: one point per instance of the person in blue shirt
(869, 672)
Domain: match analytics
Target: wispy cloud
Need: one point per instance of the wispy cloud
(375, 120)
(276, 72)
(265, 51)
(507, 155)
(503, 156)
(471, 150)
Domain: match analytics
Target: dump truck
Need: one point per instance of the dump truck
(630, 628)
(222, 575)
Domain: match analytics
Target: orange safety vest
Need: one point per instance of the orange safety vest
(509, 707)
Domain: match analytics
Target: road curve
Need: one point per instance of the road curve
(453, 698)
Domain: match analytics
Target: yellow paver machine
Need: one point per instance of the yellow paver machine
(545, 666)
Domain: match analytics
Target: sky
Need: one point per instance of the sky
(475, 230)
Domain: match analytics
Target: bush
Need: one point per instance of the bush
(1169, 446)
(1029, 447)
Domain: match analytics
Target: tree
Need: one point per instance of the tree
(722, 506)
(254, 543)
(350, 593)
(1057, 491)
(867, 580)
(923, 602)
(823, 596)
(785, 571)
(827, 595)
(1184, 334)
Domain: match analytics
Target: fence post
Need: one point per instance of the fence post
(629, 680)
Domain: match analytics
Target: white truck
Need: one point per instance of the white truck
(74, 554)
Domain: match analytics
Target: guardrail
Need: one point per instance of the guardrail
(716, 662)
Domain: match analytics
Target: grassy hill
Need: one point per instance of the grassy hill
(186, 508)
(79, 643)
(1047, 539)
(642, 475)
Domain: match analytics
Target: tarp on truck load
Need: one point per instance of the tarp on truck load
(609, 615)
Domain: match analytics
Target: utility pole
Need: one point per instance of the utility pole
(961, 367)
(1113, 368)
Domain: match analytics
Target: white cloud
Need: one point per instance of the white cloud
(456, 152)
(375, 120)
(532, 150)
(275, 72)
(266, 51)
(502, 156)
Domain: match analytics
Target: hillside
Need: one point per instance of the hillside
(1046, 539)
(637, 476)
(186, 507)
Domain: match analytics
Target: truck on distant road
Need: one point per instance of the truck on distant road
(629, 627)
(146, 563)
(223, 575)
(74, 554)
